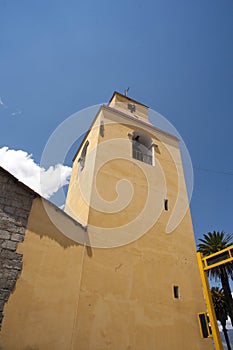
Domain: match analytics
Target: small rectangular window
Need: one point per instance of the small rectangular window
(176, 292)
(205, 327)
(166, 204)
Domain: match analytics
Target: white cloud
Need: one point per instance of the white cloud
(17, 112)
(21, 164)
(2, 104)
(228, 323)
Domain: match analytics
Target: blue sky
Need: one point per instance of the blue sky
(57, 57)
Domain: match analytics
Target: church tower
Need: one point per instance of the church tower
(143, 291)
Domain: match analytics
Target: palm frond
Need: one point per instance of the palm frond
(213, 242)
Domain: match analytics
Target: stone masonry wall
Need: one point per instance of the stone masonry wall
(15, 205)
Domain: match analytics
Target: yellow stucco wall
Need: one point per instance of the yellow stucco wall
(126, 300)
(78, 196)
(42, 310)
(74, 297)
(128, 291)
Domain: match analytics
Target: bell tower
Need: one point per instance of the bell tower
(128, 188)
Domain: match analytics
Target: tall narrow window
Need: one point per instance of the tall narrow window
(203, 325)
(166, 204)
(82, 158)
(142, 147)
(176, 292)
(102, 128)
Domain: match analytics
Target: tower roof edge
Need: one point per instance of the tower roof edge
(126, 97)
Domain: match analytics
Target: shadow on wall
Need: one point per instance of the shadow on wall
(48, 220)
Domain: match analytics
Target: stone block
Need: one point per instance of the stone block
(1, 304)
(20, 190)
(9, 210)
(3, 179)
(17, 237)
(4, 234)
(3, 201)
(10, 284)
(3, 282)
(4, 294)
(21, 213)
(10, 245)
(7, 254)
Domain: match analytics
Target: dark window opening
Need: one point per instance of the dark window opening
(82, 158)
(142, 147)
(176, 292)
(102, 128)
(205, 326)
(166, 204)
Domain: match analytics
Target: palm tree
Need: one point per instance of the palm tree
(212, 243)
(221, 310)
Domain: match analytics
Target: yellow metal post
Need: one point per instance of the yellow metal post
(209, 303)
